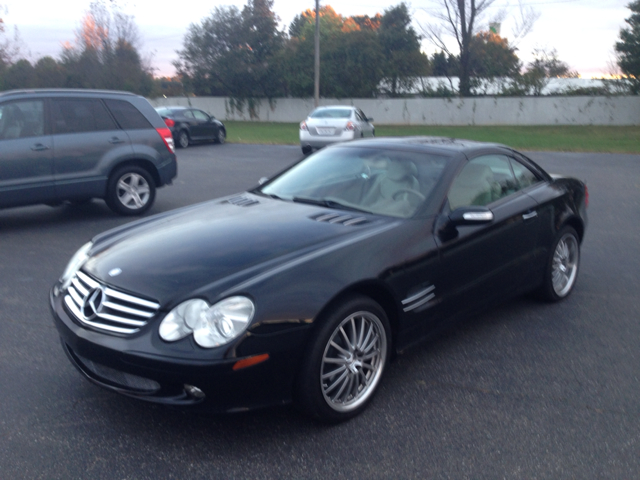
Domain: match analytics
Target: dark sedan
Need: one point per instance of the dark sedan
(190, 125)
(303, 288)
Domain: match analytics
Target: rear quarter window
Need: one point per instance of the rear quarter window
(127, 116)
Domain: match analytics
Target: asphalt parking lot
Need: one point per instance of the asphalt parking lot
(526, 390)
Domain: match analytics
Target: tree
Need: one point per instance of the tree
(544, 66)
(462, 20)
(628, 48)
(400, 44)
(105, 53)
(491, 56)
(234, 52)
(459, 19)
(20, 75)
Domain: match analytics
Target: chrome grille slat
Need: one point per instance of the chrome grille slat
(128, 298)
(132, 311)
(120, 320)
(102, 307)
(82, 290)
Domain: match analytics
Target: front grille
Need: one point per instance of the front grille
(104, 308)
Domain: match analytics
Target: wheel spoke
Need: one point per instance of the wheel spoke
(334, 372)
(338, 381)
(339, 348)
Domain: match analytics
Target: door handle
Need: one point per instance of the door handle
(38, 147)
(527, 216)
(116, 140)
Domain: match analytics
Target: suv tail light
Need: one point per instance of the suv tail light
(169, 122)
(167, 138)
(586, 196)
(303, 126)
(350, 127)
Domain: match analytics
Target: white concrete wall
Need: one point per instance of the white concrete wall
(612, 111)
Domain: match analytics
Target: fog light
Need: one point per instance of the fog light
(194, 392)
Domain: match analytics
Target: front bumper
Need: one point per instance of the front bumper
(143, 367)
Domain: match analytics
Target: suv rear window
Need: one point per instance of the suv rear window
(127, 116)
(75, 115)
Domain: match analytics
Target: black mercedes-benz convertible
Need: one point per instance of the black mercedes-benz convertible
(303, 288)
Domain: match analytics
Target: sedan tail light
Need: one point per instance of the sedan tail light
(350, 127)
(170, 123)
(303, 126)
(167, 138)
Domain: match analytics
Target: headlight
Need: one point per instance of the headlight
(211, 326)
(74, 264)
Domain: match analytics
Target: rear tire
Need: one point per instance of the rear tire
(561, 271)
(346, 361)
(183, 139)
(306, 149)
(131, 190)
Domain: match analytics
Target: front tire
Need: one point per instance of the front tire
(562, 266)
(222, 136)
(131, 191)
(345, 364)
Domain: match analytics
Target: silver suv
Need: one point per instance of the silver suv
(74, 145)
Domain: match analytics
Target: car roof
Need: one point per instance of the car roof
(346, 107)
(441, 144)
(63, 91)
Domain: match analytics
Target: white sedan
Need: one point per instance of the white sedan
(332, 124)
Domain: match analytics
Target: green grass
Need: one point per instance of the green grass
(551, 138)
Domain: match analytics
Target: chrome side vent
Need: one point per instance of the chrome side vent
(104, 308)
(242, 201)
(341, 218)
(419, 299)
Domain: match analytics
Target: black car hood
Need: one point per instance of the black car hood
(222, 242)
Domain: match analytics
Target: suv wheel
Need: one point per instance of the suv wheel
(131, 191)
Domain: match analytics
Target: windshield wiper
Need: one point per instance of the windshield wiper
(329, 203)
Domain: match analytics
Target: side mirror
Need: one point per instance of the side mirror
(470, 216)
(370, 119)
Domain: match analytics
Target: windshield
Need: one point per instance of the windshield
(331, 113)
(382, 181)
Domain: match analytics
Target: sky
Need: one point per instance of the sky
(583, 32)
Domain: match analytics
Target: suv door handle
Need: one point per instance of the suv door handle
(527, 216)
(38, 147)
(116, 140)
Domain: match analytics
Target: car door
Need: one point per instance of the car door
(206, 129)
(85, 139)
(483, 261)
(26, 161)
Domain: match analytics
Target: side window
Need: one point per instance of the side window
(127, 116)
(200, 115)
(77, 115)
(524, 176)
(188, 114)
(483, 180)
(21, 119)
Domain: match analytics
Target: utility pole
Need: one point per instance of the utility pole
(316, 86)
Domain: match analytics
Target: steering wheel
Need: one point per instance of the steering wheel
(409, 190)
